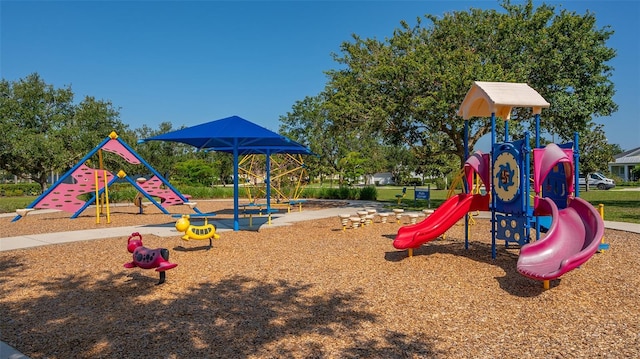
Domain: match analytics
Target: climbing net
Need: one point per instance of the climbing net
(288, 176)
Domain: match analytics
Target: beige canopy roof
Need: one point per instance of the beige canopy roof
(485, 98)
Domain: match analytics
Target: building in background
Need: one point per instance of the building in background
(624, 164)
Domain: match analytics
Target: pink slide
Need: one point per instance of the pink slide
(443, 218)
(573, 238)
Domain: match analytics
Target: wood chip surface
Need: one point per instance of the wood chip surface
(310, 290)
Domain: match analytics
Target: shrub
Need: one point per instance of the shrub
(368, 193)
(440, 183)
(208, 192)
(413, 182)
(119, 194)
(345, 192)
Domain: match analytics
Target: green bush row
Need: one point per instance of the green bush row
(119, 193)
(628, 184)
(207, 192)
(367, 193)
(124, 192)
(19, 189)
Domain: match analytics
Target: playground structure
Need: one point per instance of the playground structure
(573, 227)
(147, 258)
(287, 178)
(82, 179)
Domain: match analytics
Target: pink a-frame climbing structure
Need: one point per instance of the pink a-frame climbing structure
(80, 179)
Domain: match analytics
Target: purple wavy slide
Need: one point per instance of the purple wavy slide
(574, 237)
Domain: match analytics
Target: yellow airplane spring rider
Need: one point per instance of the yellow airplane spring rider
(206, 231)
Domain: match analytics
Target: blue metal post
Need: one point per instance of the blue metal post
(466, 151)
(506, 130)
(493, 130)
(466, 187)
(537, 117)
(493, 191)
(527, 187)
(236, 204)
(268, 181)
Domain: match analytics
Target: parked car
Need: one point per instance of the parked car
(597, 180)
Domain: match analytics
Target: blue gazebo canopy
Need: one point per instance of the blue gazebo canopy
(230, 134)
(237, 136)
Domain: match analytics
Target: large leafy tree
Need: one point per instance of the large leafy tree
(92, 122)
(44, 131)
(336, 146)
(409, 87)
(310, 124)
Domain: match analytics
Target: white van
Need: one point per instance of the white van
(598, 180)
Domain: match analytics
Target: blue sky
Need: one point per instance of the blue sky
(193, 62)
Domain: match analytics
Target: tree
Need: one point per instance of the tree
(44, 131)
(222, 166)
(308, 123)
(194, 172)
(635, 173)
(409, 87)
(91, 123)
(351, 167)
(400, 162)
(312, 124)
(161, 155)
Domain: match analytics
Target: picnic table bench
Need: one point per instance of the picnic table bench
(259, 209)
(287, 204)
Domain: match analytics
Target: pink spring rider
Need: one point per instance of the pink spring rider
(147, 258)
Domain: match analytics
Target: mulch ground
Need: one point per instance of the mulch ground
(309, 290)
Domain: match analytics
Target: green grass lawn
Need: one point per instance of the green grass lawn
(10, 204)
(619, 206)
